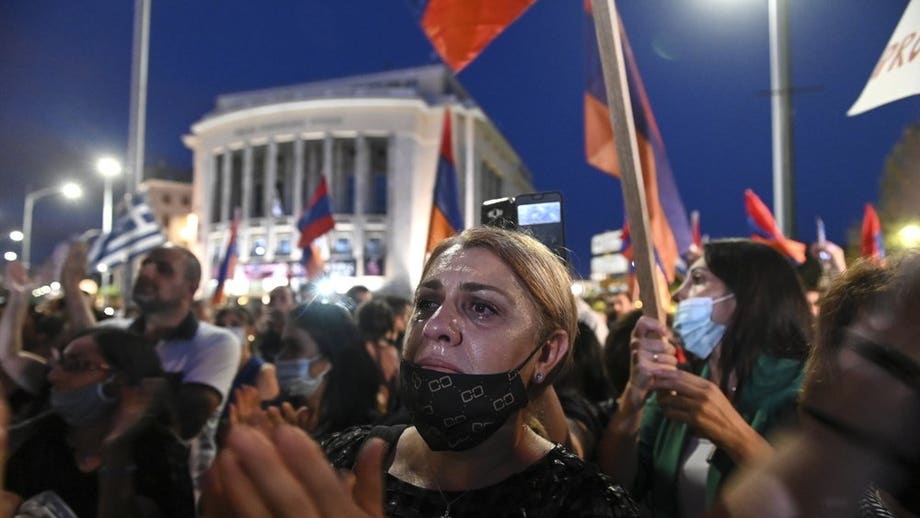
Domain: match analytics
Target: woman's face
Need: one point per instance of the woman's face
(471, 316)
(701, 282)
(80, 365)
(297, 343)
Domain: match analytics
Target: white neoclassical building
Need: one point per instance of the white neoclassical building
(376, 139)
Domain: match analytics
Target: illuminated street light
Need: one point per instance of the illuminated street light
(69, 190)
(909, 235)
(16, 236)
(10, 256)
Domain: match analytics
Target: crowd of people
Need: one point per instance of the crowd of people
(493, 391)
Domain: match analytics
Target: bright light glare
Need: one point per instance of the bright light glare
(55, 286)
(16, 235)
(10, 256)
(71, 190)
(102, 267)
(108, 167)
(325, 287)
(109, 311)
(910, 235)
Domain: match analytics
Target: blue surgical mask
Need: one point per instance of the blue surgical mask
(693, 323)
(82, 406)
(294, 377)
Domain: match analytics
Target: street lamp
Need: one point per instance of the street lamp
(16, 236)
(109, 168)
(69, 190)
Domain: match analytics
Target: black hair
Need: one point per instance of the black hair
(126, 352)
(375, 319)
(771, 313)
(616, 350)
(350, 396)
(240, 311)
(586, 376)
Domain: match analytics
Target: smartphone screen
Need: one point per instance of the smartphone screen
(541, 215)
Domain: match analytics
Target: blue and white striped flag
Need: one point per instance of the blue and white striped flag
(135, 233)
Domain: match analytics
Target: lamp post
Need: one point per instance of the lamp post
(69, 190)
(781, 117)
(109, 168)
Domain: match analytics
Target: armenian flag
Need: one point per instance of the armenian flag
(460, 29)
(445, 209)
(670, 230)
(872, 245)
(228, 264)
(764, 229)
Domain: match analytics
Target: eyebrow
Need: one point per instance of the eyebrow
(469, 287)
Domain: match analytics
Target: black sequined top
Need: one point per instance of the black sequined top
(560, 484)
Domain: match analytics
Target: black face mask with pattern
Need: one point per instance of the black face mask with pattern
(459, 411)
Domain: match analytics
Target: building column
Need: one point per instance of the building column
(362, 171)
(226, 212)
(268, 198)
(246, 197)
(297, 188)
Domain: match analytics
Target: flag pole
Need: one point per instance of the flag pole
(610, 45)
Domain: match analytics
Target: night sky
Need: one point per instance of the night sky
(65, 76)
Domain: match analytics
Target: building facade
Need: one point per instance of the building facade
(376, 139)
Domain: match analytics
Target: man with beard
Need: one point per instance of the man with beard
(204, 355)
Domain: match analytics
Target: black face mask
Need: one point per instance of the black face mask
(459, 411)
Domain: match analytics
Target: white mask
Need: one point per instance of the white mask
(294, 376)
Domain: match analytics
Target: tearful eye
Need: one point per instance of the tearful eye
(424, 308)
(482, 309)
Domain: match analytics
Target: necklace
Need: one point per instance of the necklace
(447, 503)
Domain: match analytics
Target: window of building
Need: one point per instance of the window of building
(217, 196)
(378, 149)
(374, 256)
(284, 245)
(342, 245)
(258, 182)
(258, 247)
(236, 180)
(343, 175)
(284, 180)
(167, 199)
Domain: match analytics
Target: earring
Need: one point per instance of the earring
(539, 377)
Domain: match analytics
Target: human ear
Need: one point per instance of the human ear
(552, 352)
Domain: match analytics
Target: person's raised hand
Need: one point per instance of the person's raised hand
(651, 353)
(17, 278)
(286, 474)
(73, 268)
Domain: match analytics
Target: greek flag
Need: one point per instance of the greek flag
(135, 233)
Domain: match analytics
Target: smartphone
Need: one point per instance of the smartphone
(541, 215)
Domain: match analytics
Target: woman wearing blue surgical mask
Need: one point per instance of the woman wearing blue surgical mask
(324, 367)
(677, 435)
(107, 448)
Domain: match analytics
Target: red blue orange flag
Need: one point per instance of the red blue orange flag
(460, 29)
(446, 219)
(764, 229)
(315, 222)
(228, 264)
(695, 230)
(872, 245)
(670, 230)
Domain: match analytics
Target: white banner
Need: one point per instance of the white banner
(897, 74)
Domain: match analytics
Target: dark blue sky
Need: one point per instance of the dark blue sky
(65, 75)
